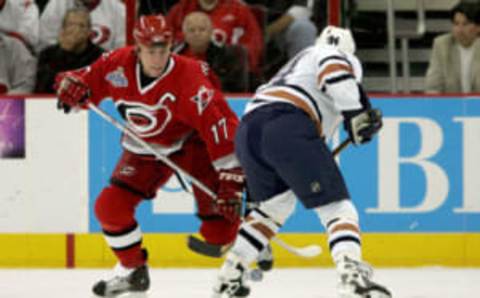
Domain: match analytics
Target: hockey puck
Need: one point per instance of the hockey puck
(256, 275)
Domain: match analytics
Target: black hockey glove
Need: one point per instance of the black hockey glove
(362, 125)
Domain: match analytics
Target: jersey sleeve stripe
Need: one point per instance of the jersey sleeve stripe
(331, 68)
(334, 57)
(338, 79)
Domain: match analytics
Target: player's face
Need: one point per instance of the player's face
(153, 58)
(464, 31)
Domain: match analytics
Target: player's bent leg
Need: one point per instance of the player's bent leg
(115, 208)
(340, 219)
(253, 237)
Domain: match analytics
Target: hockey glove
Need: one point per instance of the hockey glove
(72, 91)
(230, 192)
(362, 125)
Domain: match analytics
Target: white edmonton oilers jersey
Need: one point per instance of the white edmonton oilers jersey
(321, 80)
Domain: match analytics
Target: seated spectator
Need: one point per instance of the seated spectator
(73, 50)
(108, 21)
(289, 24)
(289, 30)
(19, 18)
(226, 61)
(455, 61)
(17, 66)
(233, 24)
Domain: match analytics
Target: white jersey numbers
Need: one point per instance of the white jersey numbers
(219, 130)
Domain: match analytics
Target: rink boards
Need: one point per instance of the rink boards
(416, 188)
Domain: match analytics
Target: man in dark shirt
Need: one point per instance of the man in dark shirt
(73, 50)
(229, 62)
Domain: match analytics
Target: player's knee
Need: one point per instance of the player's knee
(115, 207)
(344, 210)
(280, 207)
(219, 230)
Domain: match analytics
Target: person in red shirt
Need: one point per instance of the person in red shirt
(170, 103)
(233, 23)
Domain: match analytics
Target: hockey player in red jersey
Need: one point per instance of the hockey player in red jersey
(170, 103)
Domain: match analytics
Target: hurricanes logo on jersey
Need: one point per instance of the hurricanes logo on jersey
(202, 98)
(146, 120)
(100, 34)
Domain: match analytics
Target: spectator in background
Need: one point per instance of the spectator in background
(73, 50)
(455, 62)
(289, 30)
(108, 21)
(19, 18)
(17, 66)
(289, 24)
(228, 62)
(233, 23)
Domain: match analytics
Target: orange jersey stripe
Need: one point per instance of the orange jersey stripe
(299, 103)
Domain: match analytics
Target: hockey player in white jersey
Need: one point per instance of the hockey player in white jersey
(281, 146)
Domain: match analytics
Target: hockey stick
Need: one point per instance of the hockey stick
(192, 243)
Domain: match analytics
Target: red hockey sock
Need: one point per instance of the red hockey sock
(219, 231)
(115, 209)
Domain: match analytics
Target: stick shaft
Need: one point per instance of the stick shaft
(342, 146)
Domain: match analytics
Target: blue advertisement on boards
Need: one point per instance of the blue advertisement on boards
(419, 175)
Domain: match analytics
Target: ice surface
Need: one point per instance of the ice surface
(281, 283)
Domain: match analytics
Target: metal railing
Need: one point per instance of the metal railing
(395, 30)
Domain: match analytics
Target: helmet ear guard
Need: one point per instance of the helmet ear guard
(152, 29)
(337, 37)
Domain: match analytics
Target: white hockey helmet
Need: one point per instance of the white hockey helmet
(337, 37)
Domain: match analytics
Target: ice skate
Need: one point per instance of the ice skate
(356, 281)
(125, 281)
(231, 280)
(264, 263)
(265, 259)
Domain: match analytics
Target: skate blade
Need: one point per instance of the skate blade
(378, 294)
(125, 295)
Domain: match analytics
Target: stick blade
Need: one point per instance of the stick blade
(206, 249)
(310, 251)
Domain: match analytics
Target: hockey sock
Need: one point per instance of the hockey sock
(341, 222)
(127, 246)
(254, 235)
(219, 231)
(115, 208)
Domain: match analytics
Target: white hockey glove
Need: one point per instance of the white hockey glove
(362, 125)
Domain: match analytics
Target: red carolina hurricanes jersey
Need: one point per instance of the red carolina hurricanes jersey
(170, 109)
(233, 23)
